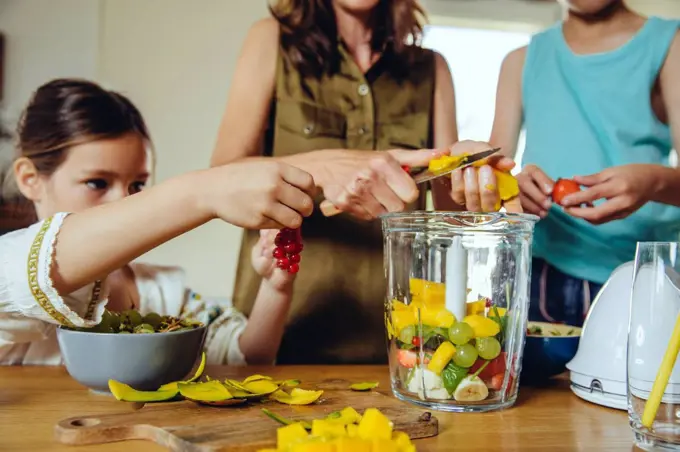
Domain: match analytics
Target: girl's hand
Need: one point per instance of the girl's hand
(626, 188)
(535, 190)
(476, 187)
(264, 262)
(258, 193)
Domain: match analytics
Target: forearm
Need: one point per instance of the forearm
(97, 241)
(667, 187)
(262, 336)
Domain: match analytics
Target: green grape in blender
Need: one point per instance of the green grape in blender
(488, 347)
(461, 333)
(407, 333)
(465, 356)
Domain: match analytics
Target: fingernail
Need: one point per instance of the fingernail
(547, 204)
(548, 189)
(542, 214)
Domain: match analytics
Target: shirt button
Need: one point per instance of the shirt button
(309, 128)
(363, 89)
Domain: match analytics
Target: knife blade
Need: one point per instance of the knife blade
(427, 175)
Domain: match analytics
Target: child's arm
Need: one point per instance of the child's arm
(261, 338)
(628, 187)
(56, 258)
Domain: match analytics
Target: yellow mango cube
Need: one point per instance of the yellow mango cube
(402, 319)
(290, 434)
(384, 445)
(346, 444)
(374, 425)
(436, 317)
(482, 326)
(402, 440)
(347, 416)
(327, 428)
(313, 446)
(441, 357)
(352, 430)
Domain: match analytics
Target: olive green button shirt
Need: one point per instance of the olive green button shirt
(336, 314)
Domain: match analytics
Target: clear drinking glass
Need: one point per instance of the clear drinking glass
(456, 306)
(653, 344)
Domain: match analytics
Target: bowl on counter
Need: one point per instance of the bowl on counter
(547, 350)
(143, 361)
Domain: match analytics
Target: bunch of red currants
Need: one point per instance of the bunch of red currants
(288, 248)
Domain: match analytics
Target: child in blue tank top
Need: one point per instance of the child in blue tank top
(599, 97)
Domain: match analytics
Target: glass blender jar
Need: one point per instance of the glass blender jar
(457, 305)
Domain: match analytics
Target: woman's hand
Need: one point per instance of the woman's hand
(264, 262)
(626, 188)
(366, 184)
(476, 187)
(258, 193)
(535, 190)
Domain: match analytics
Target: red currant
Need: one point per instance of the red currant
(283, 263)
(294, 258)
(294, 268)
(291, 248)
(279, 253)
(416, 341)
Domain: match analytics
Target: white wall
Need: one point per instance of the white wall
(175, 58)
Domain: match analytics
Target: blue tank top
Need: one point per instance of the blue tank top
(584, 113)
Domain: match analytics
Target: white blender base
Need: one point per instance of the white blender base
(616, 401)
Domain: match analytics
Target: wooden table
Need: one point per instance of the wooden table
(34, 399)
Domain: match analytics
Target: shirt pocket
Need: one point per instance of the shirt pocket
(311, 121)
(410, 131)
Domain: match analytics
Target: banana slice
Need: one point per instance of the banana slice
(471, 389)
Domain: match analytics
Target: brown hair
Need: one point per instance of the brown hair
(309, 33)
(67, 112)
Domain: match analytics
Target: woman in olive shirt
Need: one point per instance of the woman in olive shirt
(337, 74)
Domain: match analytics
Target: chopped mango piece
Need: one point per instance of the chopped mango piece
(297, 396)
(367, 386)
(402, 440)
(313, 446)
(352, 430)
(374, 425)
(475, 307)
(441, 357)
(508, 187)
(384, 445)
(388, 327)
(289, 435)
(482, 326)
(441, 318)
(402, 319)
(446, 162)
(326, 428)
(428, 293)
(126, 393)
(347, 444)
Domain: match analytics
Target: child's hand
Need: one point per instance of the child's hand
(535, 190)
(476, 187)
(264, 262)
(258, 193)
(626, 188)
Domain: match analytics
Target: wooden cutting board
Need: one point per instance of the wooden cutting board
(187, 427)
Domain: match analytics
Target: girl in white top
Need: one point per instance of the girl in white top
(82, 152)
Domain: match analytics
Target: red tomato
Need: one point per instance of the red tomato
(562, 188)
(416, 341)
